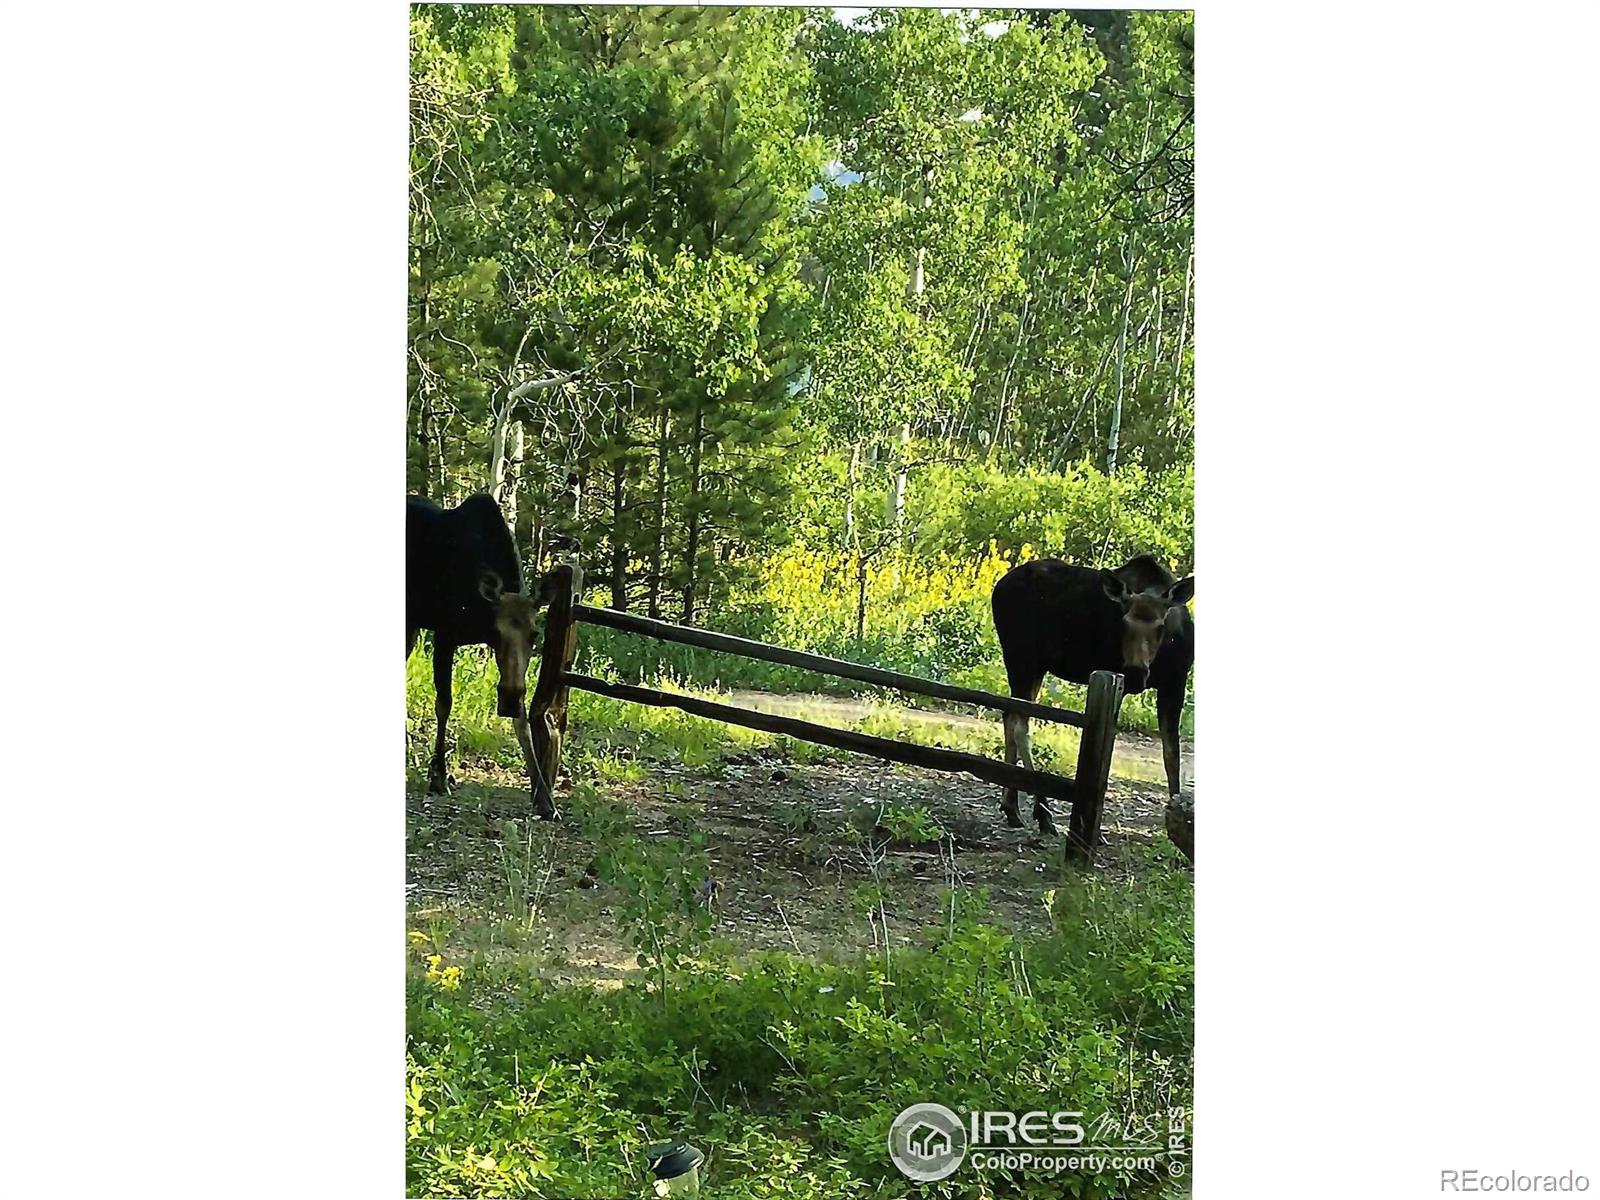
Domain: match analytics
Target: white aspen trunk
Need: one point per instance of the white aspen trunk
(502, 427)
(1005, 383)
(1131, 263)
(1154, 365)
(497, 453)
(1183, 333)
(512, 483)
(1142, 365)
(1114, 438)
(903, 466)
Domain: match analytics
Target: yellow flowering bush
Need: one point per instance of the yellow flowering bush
(448, 978)
(813, 595)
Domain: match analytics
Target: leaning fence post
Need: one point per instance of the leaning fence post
(1094, 764)
(547, 713)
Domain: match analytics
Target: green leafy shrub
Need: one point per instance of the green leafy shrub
(788, 1071)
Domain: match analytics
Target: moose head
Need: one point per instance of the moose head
(1148, 618)
(514, 618)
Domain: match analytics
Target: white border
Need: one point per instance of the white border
(1398, 948)
(201, 860)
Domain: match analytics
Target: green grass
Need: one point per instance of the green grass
(786, 1070)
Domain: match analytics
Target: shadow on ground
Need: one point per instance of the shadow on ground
(485, 879)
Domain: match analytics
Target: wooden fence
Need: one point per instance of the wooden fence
(1086, 791)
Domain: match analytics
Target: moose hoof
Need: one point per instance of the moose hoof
(438, 783)
(547, 812)
(1013, 817)
(1047, 822)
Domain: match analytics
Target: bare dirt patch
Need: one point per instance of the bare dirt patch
(784, 869)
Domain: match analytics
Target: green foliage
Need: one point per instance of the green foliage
(757, 272)
(927, 609)
(910, 824)
(1080, 514)
(665, 911)
(732, 246)
(788, 1071)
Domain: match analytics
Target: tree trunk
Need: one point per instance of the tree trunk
(568, 542)
(850, 494)
(901, 470)
(903, 466)
(513, 478)
(497, 451)
(1005, 383)
(1141, 364)
(1131, 264)
(1115, 436)
(619, 548)
(692, 545)
(425, 436)
(424, 388)
(1183, 333)
(861, 596)
(522, 512)
(658, 550)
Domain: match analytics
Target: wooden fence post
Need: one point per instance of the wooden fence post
(1094, 764)
(547, 713)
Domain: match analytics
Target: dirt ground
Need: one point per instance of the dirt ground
(786, 874)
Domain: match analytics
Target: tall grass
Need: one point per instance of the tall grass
(788, 1071)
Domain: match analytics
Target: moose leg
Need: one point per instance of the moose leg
(1041, 804)
(1180, 812)
(1016, 734)
(544, 804)
(444, 656)
(1169, 712)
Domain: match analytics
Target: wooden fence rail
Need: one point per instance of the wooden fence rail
(987, 769)
(548, 711)
(822, 664)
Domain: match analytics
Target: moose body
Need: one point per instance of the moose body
(1055, 618)
(463, 582)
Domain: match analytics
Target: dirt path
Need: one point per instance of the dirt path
(782, 846)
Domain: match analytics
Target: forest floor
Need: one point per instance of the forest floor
(788, 874)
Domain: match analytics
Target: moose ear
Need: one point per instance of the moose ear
(1113, 586)
(1181, 592)
(489, 586)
